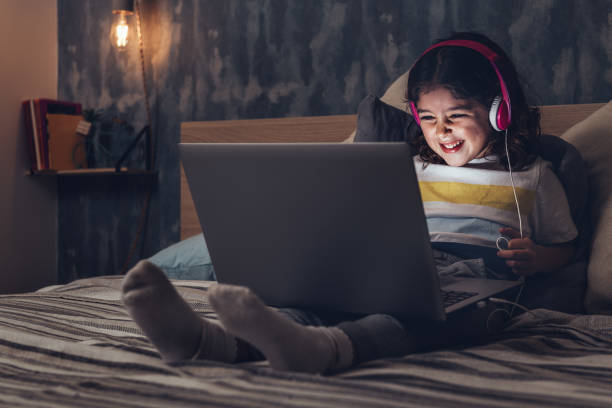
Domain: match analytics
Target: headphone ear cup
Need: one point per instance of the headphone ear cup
(499, 114)
(493, 112)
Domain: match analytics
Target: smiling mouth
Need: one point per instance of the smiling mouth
(452, 147)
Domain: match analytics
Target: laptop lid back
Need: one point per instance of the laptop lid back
(317, 226)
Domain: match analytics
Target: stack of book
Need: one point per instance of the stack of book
(51, 130)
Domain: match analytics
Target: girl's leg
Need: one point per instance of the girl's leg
(290, 340)
(179, 333)
(297, 340)
(380, 336)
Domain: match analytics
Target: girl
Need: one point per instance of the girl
(465, 94)
(464, 162)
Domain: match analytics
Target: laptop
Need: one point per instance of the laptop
(329, 226)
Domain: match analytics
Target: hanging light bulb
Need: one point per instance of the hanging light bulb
(120, 30)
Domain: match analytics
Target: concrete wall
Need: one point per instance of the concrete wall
(28, 205)
(228, 59)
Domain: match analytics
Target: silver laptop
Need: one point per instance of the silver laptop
(322, 226)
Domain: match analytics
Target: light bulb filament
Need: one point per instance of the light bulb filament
(121, 33)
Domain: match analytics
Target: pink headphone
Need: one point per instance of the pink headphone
(500, 113)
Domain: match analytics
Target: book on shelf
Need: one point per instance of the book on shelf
(66, 146)
(36, 114)
(30, 121)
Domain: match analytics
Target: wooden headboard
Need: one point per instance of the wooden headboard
(555, 120)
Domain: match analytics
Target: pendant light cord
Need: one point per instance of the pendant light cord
(146, 205)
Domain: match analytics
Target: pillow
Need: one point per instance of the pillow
(564, 289)
(380, 122)
(593, 139)
(187, 259)
(393, 97)
(569, 165)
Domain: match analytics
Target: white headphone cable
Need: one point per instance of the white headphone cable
(518, 208)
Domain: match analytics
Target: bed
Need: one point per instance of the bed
(74, 345)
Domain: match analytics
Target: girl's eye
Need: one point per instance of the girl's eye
(426, 117)
(457, 115)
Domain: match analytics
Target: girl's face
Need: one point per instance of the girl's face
(457, 130)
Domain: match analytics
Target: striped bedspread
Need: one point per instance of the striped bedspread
(74, 346)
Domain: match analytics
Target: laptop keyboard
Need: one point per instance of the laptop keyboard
(451, 297)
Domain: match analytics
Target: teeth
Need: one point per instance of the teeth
(450, 146)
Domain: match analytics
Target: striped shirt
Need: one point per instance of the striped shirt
(469, 204)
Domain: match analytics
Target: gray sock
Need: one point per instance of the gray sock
(343, 349)
(174, 328)
(216, 344)
(286, 344)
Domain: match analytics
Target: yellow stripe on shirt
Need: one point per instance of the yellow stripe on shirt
(500, 197)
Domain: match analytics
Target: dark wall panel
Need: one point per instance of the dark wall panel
(228, 59)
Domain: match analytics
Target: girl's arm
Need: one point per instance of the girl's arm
(526, 258)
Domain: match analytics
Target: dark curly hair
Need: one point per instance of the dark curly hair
(467, 74)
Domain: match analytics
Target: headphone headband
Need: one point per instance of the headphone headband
(500, 114)
(474, 45)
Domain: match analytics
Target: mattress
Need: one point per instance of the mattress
(75, 346)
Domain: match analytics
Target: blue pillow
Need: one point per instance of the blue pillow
(187, 259)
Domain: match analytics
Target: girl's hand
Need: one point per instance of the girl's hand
(521, 254)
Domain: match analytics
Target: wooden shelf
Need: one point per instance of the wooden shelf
(105, 171)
